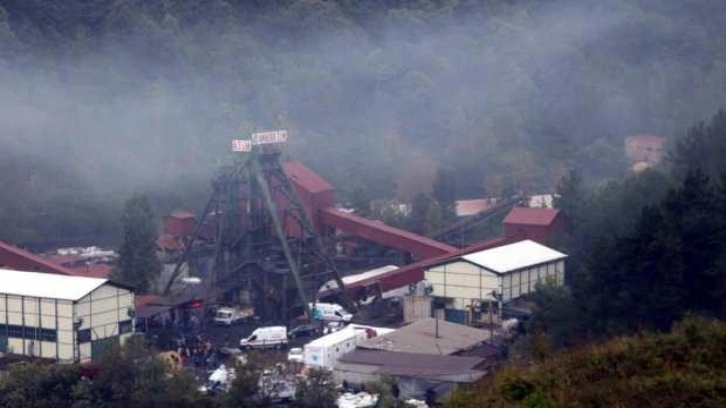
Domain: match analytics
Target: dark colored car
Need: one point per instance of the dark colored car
(304, 330)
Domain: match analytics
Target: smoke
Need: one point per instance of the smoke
(152, 99)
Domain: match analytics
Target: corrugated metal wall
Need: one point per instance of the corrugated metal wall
(455, 316)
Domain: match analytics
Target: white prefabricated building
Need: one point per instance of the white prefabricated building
(510, 271)
(61, 317)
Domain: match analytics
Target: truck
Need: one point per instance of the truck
(325, 351)
(330, 312)
(265, 337)
(227, 316)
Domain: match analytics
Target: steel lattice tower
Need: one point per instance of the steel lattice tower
(263, 239)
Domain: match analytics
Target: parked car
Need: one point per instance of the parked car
(295, 355)
(304, 330)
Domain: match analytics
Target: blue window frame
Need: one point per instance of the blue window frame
(29, 333)
(126, 326)
(83, 336)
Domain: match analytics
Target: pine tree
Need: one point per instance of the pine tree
(317, 390)
(138, 264)
(703, 148)
(420, 207)
(570, 197)
(696, 219)
(435, 218)
(361, 202)
(444, 192)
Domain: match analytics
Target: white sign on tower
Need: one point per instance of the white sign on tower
(272, 137)
(241, 145)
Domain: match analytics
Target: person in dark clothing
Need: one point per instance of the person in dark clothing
(196, 358)
(395, 391)
(430, 397)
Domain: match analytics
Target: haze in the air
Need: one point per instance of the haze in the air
(99, 101)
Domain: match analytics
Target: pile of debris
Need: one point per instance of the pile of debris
(368, 400)
(359, 400)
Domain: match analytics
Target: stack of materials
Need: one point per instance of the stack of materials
(359, 400)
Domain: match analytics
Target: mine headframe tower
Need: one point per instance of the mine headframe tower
(260, 235)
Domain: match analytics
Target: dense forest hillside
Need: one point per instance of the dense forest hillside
(99, 99)
(683, 368)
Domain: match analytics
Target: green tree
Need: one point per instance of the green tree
(435, 219)
(667, 264)
(317, 390)
(361, 202)
(556, 314)
(444, 192)
(128, 376)
(387, 390)
(420, 207)
(138, 265)
(570, 197)
(132, 375)
(36, 385)
(681, 368)
(245, 388)
(702, 148)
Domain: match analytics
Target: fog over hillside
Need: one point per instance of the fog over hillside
(102, 98)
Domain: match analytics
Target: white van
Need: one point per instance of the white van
(266, 337)
(330, 312)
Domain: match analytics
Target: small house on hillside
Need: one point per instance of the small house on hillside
(179, 223)
(646, 149)
(466, 208)
(537, 224)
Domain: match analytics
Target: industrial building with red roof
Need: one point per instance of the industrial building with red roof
(12, 257)
(537, 224)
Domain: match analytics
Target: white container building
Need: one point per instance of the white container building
(325, 351)
(498, 274)
(61, 317)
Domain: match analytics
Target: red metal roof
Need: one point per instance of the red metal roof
(62, 260)
(12, 257)
(182, 215)
(148, 305)
(646, 139)
(145, 312)
(102, 271)
(531, 216)
(414, 272)
(306, 178)
(169, 242)
(148, 299)
(472, 207)
(381, 233)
